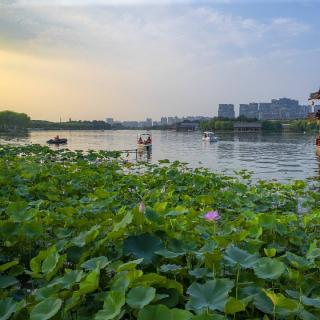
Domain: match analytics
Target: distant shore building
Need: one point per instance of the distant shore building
(247, 127)
(148, 122)
(226, 111)
(164, 121)
(110, 121)
(250, 110)
(283, 109)
(187, 126)
(130, 124)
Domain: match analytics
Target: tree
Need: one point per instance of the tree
(13, 121)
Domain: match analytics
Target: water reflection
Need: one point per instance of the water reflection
(14, 136)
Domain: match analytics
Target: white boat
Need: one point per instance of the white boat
(209, 137)
(144, 142)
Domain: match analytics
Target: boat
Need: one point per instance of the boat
(58, 141)
(209, 137)
(144, 142)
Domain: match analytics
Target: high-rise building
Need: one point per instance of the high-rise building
(282, 109)
(148, 122)
(226, 111)
(250, 110)
(164, 121)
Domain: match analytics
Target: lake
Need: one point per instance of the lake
(270, 156)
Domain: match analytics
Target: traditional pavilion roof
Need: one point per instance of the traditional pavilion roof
(315, 95)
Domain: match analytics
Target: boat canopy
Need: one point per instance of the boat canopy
(208, 132)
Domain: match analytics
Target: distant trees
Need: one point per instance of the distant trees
(303, 125)
(274, 126)
(13, 121)
(71, 125)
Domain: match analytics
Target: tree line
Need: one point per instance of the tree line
(13, 121)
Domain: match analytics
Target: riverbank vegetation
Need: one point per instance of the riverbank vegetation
(88, 236)
(225, 124)
(13, 122)
(303, 126)
(70, 125)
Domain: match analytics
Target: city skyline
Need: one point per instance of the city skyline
(89, 59)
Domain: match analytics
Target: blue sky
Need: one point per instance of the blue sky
(134, 59)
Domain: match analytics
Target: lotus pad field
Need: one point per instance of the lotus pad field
(87, 236)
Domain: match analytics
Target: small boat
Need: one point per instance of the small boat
(209, 137)
(57, 141)
(144, 142)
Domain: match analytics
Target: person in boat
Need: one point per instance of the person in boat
(56, 138)
(140, 141)
(148, 141)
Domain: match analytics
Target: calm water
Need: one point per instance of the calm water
(269, 156)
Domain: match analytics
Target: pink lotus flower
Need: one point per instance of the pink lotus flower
(212, 216)
(142, 207)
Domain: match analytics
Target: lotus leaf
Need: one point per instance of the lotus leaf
(112, 306)
(139, 297)
(268, 268)
(212, 295)
(143, 246)
(236, 256)
(46, 309)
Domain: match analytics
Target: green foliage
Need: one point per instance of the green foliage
(303, 125)
(74, 244)
(272, 126)
(12, 121)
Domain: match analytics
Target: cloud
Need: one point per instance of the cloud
(159, 59)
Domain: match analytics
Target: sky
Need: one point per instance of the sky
(132, 59)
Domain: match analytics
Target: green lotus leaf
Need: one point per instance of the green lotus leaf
(7, 281)
(299, 262)
(161, 312)
(169, 254)
(233, 306)
(139, 297)
(201, 273)
(313, 254)
(86, 237)
(166, 268)
(50, 262)
(143, 246)
(90, 282)
(236, 256)
(96, 263)
(8, 265)
(211, 295)
(112, 306)
(268, 268)
(7, 308)
(270, 252)
(68, 280)
(126, 220)
(46, 309)
(153, 216)
(265, 304)
(280, 301)
(209, 317)
(129, 265)
(47, 292)
(314, 302)
(17, 211)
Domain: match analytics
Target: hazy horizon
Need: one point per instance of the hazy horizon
(130, 60)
